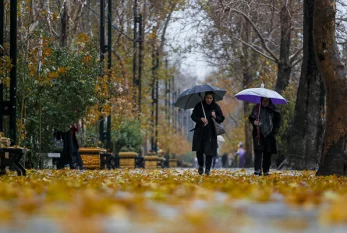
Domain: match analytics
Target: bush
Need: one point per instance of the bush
(129, 137)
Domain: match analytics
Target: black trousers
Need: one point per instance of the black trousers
(259, 156)
(77, 158)
(201, 160)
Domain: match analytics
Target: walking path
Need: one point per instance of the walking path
(168, 200)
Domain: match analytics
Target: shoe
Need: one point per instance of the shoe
(201, 170)
(257, 172)
(207, 171)
(266, 173)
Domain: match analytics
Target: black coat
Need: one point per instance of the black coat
(206, 135)
(70, 144)
(269, 142)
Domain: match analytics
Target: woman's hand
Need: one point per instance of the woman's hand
(256, 123)
(213, 114)
(204, 120)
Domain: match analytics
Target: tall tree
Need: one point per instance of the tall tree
(334, 75)
(272, 40)
(307, 127)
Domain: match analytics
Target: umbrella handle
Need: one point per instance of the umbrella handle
(203, 109)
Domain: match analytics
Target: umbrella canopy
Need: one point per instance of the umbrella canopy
(190, 97)
(254, 95)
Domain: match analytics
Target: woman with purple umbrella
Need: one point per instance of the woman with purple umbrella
(266, 120)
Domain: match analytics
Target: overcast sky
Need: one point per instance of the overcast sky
(180, 35)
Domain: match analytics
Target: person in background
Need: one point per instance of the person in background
(214, 161)
(230, 160)
(70, 155)
(225, 160)
(241, 153)
(76, 157)
(266, 120)
(195, 162)
(205, 137)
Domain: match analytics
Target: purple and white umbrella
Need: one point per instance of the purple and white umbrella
(254, 95)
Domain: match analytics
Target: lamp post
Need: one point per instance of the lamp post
(1, 53)
(105, 137)
(141, 41)
(109, 64)
(135, 81)
(13, 72)
(102, 56)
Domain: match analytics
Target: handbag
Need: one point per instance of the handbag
(218, 127)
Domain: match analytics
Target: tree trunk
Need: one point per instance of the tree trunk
(247, 79)
(334, 73)
(64, 26)
(306, 135)
(284, 66)
(248, 131)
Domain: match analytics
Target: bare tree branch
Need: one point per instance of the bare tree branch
(294, 56)
(274, 58)
(256, 50)
(296, 62)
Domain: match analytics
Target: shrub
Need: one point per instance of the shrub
(129, 136)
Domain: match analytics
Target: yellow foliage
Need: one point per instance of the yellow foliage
(80, 200)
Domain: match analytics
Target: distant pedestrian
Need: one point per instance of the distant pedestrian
(224, 160)
(70, 155)
(230, 160)
(241, 153)
(214, 159)
(195, 162)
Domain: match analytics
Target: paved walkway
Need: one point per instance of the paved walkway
(216, 214)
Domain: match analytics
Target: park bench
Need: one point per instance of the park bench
(10, 157)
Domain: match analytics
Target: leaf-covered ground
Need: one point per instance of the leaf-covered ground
(171, 200)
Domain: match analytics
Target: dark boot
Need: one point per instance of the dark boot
(201, 170)
(257, 172)
(207, 171)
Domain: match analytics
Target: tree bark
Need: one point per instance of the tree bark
(247, 80)
(284, 66)
(306, 134)
(334, 76)
(64, 26)
(248, 131)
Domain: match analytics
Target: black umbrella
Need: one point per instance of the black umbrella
(190, 97)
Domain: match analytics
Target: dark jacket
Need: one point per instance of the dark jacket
(70, 146)
(270, 120)
(206, 135)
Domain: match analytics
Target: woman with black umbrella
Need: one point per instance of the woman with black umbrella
(205, 137)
